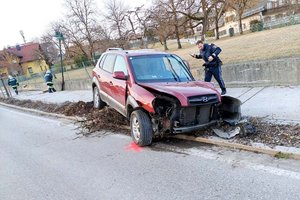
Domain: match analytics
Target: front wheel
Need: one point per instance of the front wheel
(141, 128)
(98, 103)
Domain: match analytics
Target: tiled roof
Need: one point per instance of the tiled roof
(260, 6)
(27, 52)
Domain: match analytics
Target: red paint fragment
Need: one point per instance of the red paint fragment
(133, 147)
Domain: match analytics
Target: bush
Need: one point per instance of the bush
(210, 33)
(256, 25)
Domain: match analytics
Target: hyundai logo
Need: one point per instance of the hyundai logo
(204, 99)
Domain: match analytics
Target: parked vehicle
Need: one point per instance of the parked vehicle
(158, 93)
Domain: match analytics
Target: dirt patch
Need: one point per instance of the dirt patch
(110, 120)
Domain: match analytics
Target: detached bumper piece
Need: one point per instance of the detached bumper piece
(231, 110)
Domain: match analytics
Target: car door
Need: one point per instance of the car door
(105, 77)
(118, 86)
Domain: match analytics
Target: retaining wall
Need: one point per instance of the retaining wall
(285, 71)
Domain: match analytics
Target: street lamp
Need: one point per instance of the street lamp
(60, 37)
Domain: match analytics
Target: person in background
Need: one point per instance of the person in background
(48, 78)
(209, 53)
(13, 82)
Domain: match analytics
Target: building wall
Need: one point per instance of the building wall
(231, 21)
(33, 67)
(3, 71)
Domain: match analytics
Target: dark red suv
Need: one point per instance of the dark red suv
(158, 93)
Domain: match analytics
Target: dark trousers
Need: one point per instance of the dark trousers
(217, 73)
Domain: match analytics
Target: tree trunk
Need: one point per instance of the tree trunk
(240, 24)
(217, 28)
(165, 44)
(177, 37)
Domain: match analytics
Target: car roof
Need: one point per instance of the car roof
(139, 52)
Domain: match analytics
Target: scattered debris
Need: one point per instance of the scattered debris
(227, 134)
(255, 130)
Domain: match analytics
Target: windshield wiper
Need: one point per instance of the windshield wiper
(175, 75)
(185, 68)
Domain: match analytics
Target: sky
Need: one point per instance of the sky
(33, 17)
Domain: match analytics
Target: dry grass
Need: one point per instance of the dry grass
(267, 44)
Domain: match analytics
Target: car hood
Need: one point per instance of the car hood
(183, 90)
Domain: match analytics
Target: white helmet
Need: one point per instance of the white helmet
(10, 76)
(48, 71)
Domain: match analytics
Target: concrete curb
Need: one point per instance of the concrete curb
(42, 112)
(270, 152)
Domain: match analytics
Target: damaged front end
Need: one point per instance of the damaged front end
(203, 111)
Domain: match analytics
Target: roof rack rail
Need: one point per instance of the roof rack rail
(114, 49)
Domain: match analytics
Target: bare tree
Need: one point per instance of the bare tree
(139, 23)
(198, 10)
(81, 27)
(240, 6)
(218, 10)
(160, 21)
(48, 50)
(116, 15)
(172, 7)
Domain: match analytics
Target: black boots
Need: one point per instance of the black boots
(51, 90)
(223, 91)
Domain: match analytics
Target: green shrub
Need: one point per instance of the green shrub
(210, 33)
(256, 25)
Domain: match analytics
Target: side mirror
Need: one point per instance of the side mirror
(119, 75)
(187, 64)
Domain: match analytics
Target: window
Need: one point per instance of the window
(159, 68)
(102, 61)
(109, 62)
(30, 70)
(120, 65)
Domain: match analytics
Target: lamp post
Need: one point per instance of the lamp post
(60, 37)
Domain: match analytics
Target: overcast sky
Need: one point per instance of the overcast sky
(33, 17)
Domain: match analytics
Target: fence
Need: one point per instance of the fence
(281, 22)
(73, 72)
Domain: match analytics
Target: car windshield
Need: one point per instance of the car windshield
(159, 68)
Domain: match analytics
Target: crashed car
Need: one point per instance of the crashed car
(158, 94)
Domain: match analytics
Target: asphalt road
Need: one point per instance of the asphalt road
(42, 158)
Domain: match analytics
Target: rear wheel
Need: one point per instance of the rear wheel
(98, 103)
(141, 128)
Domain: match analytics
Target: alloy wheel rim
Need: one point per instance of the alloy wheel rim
(96, 98)
(136, 128)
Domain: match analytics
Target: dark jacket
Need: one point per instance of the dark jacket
(13, 82)
(48, 77)
(210, 50)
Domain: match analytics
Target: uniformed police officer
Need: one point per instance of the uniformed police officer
(48, 79)
(13, 82)
(209, 53)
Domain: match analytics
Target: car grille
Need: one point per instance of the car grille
(203, 99)
(196, 115)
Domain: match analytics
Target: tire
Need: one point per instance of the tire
(97, 102)
(141, 128)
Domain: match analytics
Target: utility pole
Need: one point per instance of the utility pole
(5, 88)
(60, 37)
(23, 36)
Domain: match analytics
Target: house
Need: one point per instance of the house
(270, 12)
(22, 60)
